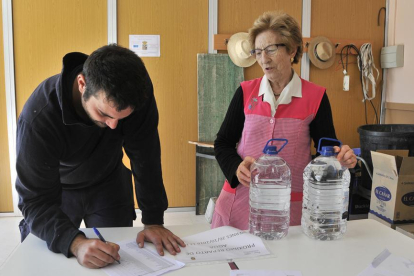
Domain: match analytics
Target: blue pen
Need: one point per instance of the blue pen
(102, 239)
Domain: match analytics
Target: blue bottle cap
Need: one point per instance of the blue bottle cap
(327, 151)
(270, 150)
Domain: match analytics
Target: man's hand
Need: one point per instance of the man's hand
(346, 156)
(93, 253)
(243, 171)
(161, 237)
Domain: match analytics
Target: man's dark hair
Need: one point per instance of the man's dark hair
(120, 73)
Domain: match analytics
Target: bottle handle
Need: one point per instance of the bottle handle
(328, 139)
(276, 139)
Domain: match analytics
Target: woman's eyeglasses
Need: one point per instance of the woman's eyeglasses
(269, 50)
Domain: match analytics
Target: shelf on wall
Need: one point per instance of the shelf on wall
(220, 42)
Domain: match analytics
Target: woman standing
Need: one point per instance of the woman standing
(278, 105)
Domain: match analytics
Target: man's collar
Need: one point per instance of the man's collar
(72, 66)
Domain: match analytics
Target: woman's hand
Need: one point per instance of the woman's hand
(346, 156)
(243, 171)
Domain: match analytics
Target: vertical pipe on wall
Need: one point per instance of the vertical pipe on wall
(384, 71)
(306, 32)
(212, 24)
(112, 22)
(10, 94)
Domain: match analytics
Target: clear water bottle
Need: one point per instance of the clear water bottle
(270, 194)
(325, 196)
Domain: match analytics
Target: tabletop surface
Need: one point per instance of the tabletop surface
(348, 256)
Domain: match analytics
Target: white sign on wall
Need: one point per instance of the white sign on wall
(145, 45)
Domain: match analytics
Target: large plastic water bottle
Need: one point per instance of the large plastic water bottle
(325, 196)
(270, 194)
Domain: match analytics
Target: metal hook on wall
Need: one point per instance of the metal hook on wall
(379, 13)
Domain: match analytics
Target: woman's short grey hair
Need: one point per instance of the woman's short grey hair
(282, 24)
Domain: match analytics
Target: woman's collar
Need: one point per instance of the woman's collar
(292, 89)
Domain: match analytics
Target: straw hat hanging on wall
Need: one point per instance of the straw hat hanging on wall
(238, 48)
(321, 52)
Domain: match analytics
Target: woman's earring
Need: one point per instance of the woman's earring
(291, 60)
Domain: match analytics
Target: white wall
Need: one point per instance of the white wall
(400, 81)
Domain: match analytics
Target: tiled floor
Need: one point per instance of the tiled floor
(10, 235)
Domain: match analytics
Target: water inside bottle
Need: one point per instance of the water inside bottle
(269, 196)
(325, 199)
(270, 210)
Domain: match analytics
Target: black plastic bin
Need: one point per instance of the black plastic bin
(383, 137)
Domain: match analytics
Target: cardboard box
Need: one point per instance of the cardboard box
(374, 217)
(407, 230)
(392, 194)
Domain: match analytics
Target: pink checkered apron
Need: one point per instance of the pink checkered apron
(291, 122)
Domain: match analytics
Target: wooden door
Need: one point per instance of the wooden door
(44, 31)
(183, 29)
(350, 19)
(238, 16)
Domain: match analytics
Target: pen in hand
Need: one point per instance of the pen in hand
(102, 239)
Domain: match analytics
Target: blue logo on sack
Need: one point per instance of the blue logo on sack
(408, 199)
(383, 193)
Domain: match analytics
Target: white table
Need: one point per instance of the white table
(363, 241)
